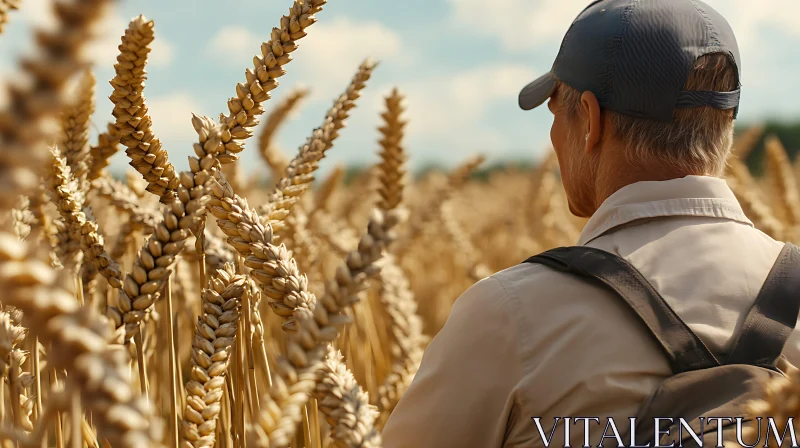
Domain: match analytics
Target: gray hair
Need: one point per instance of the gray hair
(697, 140)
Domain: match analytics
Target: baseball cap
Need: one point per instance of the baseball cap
(636, 56)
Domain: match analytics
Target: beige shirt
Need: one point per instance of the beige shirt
(532, 342)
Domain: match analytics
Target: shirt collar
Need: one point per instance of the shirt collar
(688, 196)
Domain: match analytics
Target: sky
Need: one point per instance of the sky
(460, 64)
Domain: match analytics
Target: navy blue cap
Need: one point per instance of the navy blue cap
(636, 56)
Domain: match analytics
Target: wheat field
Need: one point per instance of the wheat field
(190, 305)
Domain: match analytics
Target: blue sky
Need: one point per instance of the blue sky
(461, 64)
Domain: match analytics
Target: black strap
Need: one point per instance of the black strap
(718, 100)
(772, 318)
(684, 349)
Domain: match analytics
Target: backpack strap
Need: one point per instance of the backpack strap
(684, 349)
(771, 320)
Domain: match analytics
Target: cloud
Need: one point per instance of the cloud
(766, 31)
(103, 51)
(521, 25)
(518, 24)
(172, 115)
(454, 109)
(37, 13)
(331, 52)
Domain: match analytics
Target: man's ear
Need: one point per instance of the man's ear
(592, 121)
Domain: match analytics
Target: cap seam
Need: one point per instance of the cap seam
(617, 45)
(566, 35)
(712, 34)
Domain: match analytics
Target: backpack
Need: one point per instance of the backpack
(701, 385)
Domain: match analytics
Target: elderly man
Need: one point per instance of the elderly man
(644, 94)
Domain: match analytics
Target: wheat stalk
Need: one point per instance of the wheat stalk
(64, 193)
(316, 327)
(246, 106)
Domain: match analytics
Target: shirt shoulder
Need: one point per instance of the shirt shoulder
(578, 345)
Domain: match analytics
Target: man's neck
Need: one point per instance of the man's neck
(615, 172)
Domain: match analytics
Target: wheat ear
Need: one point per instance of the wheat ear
(300, 172)
(123, 199)
(272, 156)
(246, 106)
(81, 224)
(779, 170)
(328, 188)
(408, 340)
(391, 170)
(75, 128)
(107, 145)
(781, 403)
(744, 145)
(316, 327)
(455, 180)
(24, 219)
(345, 406)
(747, 193)
(64, 194)
(79, 340)
(212, 344)
(395, 295)
(6, 6)
(156, 260)
(132, 120)
(32, 104)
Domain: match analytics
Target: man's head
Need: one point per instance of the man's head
(641, 90)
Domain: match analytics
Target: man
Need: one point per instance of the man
(644, 94)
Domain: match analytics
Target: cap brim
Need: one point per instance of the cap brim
(537, 92)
